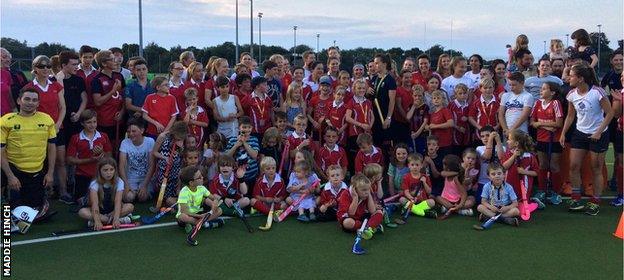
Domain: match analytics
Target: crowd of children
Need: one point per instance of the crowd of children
(216, 144)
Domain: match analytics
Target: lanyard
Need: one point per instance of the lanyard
(379, 84)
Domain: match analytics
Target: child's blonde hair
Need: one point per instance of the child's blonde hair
(267, 162)
(303, 166)
(522, 43)
(359, 82)
(461, 87)
(525, 142)
(360, 182)
(270, 133)
(372, 170)
(414, 157)
(487, 82)
(218, 139)
(418, 88)
(440, 94)
(289, 94)
(364, 138)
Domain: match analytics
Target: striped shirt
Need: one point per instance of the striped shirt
(242, 155)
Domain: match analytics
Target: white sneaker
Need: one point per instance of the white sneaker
(443, 209)
(465, 212)
(90, 223)
(125, 220)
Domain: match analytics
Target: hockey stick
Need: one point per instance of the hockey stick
(525, 208)
(241, 215)
(487, 224)
(163, 184)
(269, 220)
(191, 238)
(357, 249)
(90, 229)
(151, 220)
(294, 204)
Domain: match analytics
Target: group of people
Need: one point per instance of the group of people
(338, 145)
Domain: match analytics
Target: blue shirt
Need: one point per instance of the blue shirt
(534, 84)
(242, 155)
(137, 93)
(501, 196)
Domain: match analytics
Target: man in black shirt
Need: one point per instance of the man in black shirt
(612, 80)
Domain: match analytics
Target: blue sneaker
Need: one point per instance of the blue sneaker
(554, 198)
(303, 218)
(618, 201)
(539, 198)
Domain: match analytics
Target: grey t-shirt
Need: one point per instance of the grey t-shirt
(137, 159)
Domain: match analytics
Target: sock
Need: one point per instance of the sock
(619, 170)
(420, 208)
(261, 207)
(556, 182)
(576, 192)
(541, 179)
(375, 220)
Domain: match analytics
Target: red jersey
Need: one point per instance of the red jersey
(276, 189)
(161, 109)
(259, 110)
(344, 201)
(421, 115)
(48, 97)
(286, 80)
(419, 79)
(201, 91)
(414, 185)
(460, 117)
(328, 193)
(195, 130)
(103, 84)
(330, 156)
(547, 113)
(445, 135)
(337, 119)
(484, 112)
(526, 161)
(320, 106)
(406, 102)
(210, 84)
(177, 91)
(88, 78)
(220, 188)
(81, 147)
(362, 159)
(361, 111)
(295, 139)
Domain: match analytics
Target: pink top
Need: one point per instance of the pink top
(451, 190)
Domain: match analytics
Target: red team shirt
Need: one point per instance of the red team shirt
(445, 135)
(484, 112)
(277, 189)
(328, 156)
(417, 78)
(82, 148)
(201, 91)
(406, 102)
(412, 183)
(103, 84)
(547, 113)
(361, 112)
(161, 109)
(362, 159)
(195, 130)
(528, 160)
(177, 91)
(320, 106)
(344, 201)
(328, 193)
(48, 97)
(88, 79)
(259, 110)
(218, 187)
(460, 111)
(337, 119)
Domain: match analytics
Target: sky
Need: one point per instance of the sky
(477, 26)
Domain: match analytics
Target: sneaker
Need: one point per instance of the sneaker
(67, 199)
(188, 228)
(90, 224)
(554, 198)
(391, 225)
(512, 221)
(125, 220)
(618, 201)
(303, 218)
(312, 217)
(575, 205)
(442, 209)
(540, 204)
(368, 233)
(431, 214)
(253, 211)
(592, 209)
(214, 223)
(465, 212)
(379, 229)
(399, 221)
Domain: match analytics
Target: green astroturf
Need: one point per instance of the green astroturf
(554, 245)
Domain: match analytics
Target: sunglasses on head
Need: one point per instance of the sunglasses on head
(41, 66)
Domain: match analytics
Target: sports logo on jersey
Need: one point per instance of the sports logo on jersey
(17, 127)
(41, 125)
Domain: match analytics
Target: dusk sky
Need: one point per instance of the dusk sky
(483, 27)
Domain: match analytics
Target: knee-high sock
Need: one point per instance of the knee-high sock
(375, 220)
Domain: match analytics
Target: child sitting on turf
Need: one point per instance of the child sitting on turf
(454, 197)
(498, 197)
(105, 197)
(269, 188)
(192, 199)
(331, 153)
(374, 173)
(433, 165)
(228, 186)
(308, 157)
(358, 204)
(416, 188)
(84, 151)
(328, 201)
(520, 163)
(216, 143)
(397, 169)
(367, 153)
(302, 182)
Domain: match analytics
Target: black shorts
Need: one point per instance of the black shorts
(543, 147)
(61, 138)
(32, 192)
(619, 139)
(581, 141)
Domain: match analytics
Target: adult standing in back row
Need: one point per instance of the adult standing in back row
(384, 92)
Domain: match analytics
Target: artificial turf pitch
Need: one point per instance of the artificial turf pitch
(555, 244)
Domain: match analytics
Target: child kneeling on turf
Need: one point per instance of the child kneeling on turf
(302, 182)
(358, 204)
(105, 197)
(192, 199)
(229, 186)
(498, 197)
(328, 201)
(416, 188)
(269, 189)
